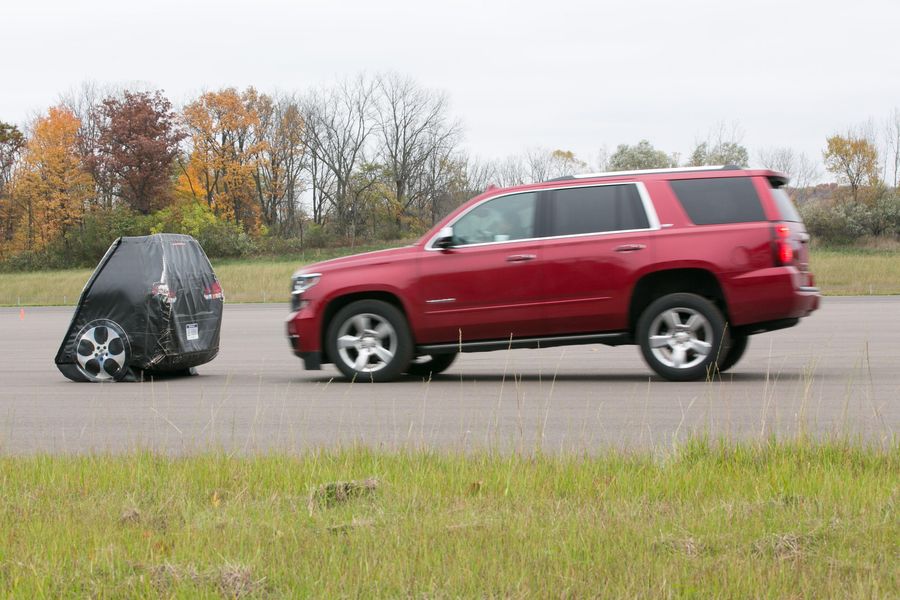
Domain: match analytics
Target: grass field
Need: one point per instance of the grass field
(838, 272)
(773, 520)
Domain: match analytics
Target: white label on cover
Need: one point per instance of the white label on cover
(192, 332)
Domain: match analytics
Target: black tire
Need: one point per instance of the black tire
(369, 340)
(681, 336)
(428, 366)
(102, 351)
(738, 345)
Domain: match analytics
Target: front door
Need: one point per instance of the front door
(487, 286)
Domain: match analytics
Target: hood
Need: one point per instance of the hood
(358, 260)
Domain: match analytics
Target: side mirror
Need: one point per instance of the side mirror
(444, 238)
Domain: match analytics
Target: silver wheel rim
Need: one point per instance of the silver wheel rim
(366, 342)
(100, 352)
(680, 338)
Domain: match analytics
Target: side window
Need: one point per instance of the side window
(719, 200)
(498, 220)
(598, 209)
(786, 208)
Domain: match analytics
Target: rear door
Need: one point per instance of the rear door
(599, 240)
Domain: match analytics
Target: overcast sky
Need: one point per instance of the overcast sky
(551, 73)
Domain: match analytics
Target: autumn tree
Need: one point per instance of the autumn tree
(11, 143)
(222, 128)
(853, 159)
(136, 146)
(640, 156)
(51, 188)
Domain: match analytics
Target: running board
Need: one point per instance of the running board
(608, 339)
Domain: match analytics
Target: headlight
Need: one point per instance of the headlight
(304, 281)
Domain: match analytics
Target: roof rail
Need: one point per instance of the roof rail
(648, 172)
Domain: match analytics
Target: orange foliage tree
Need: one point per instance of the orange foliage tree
(51, 188)
(222, 162)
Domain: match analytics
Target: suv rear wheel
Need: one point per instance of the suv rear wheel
(369, 340)
(738, 345)
(428, 366)
(681, 336)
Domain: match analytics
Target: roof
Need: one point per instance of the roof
(649, 172)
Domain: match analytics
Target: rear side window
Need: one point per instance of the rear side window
(719, 200)
(597, 210)
(786, 209)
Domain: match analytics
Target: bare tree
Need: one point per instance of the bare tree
(444, 183)
(414, 132)
(338, 126)
(280, 162)
(85, 102)
(723, 145)
(511, 170)
(802, 171)
(479, 175)
(542, 164)
(892, 135)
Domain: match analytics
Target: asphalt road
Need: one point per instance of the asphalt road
(837, 372)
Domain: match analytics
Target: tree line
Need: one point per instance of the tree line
(369, 158)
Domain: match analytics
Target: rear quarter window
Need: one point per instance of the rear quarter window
(719, 200)
(786, 209)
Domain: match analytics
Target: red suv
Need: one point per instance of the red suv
(685, 263)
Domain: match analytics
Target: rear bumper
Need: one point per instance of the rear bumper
(771, 294)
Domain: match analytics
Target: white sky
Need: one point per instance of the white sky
(519, 74)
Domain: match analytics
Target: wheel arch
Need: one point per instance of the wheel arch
(657, 284)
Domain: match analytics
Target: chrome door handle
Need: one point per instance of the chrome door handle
(630, 247)
(520, 257)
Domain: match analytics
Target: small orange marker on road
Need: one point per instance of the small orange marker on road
(21, 314)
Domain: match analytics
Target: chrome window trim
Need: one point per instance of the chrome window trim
(649, 210)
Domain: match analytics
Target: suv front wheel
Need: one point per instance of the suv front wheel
(369, 340)
(682, 336)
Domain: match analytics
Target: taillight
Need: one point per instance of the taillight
(784, 252)
(213, 291)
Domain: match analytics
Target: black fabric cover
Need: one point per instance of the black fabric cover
(159, 295)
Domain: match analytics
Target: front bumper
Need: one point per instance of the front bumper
(301, 338)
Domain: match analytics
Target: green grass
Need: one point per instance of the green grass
(856, 272)
(775, 520)
(838, 272)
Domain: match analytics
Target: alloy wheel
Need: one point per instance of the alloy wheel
(367, 342)
(680, 338)
(102, 351)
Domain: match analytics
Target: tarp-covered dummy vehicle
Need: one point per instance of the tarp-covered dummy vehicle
(153, 305)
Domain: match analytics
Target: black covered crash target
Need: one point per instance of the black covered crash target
(152, 306)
